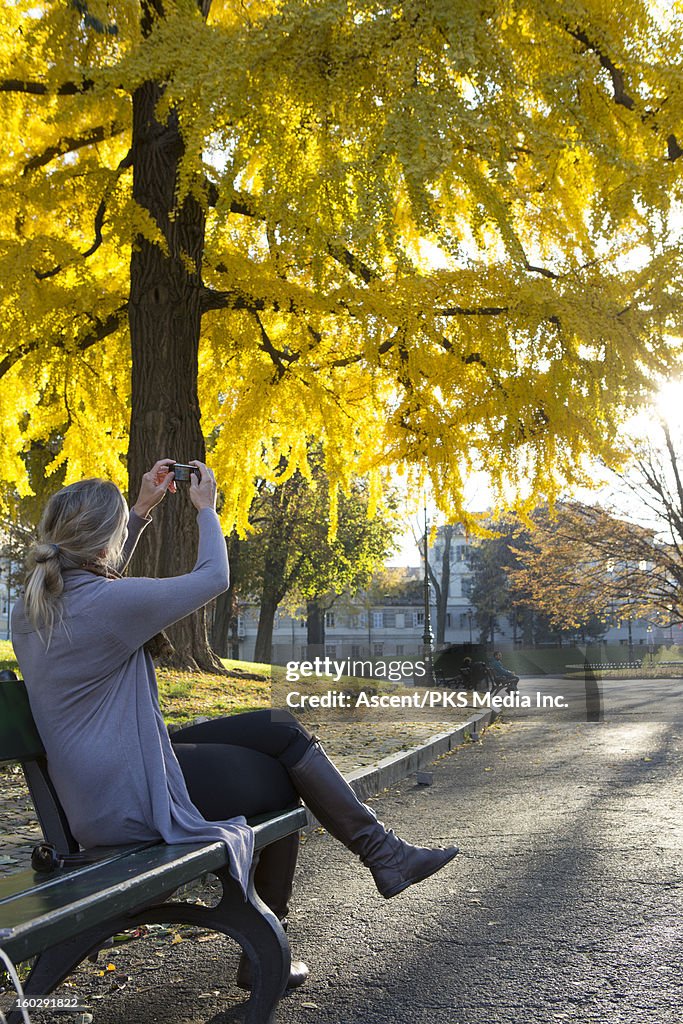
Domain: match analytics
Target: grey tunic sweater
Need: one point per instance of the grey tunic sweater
(94, 698)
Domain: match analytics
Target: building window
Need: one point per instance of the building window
(419, 618)
(331, 650)
(466, 586)
(329, 619)
(377, 620)
(355, 650)
(400, 620)
(399, 649)
(389, 620)
(378, 650)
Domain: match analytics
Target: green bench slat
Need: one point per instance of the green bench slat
(269, 828)
(69, 905)
(39, 911)
(19, 739)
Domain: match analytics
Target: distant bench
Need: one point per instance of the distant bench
(595, 666)
(63, 917)
(487, 681)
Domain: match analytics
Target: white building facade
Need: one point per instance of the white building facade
(393, 626)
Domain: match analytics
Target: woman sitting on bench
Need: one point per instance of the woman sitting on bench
(82, 635)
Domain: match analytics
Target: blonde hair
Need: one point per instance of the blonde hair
(84, 523)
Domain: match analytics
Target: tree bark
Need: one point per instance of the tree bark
(444, 590)
(165, 321)
(442, 585)
(263, 651)
(226, 610)
(273, 590)
(315, 629)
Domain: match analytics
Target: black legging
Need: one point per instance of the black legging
(238, 765)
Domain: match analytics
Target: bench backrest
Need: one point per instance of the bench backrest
(19, 741)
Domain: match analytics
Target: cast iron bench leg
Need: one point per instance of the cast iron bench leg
(249, 922)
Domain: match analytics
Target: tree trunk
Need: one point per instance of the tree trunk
(224, 628)
(221, 627)
(445, 587)
(273, 591)
(315, 629)
(165, 320)
(263, 650)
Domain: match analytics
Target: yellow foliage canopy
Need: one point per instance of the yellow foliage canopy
(437, 235)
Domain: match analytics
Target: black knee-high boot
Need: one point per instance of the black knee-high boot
(393, 863)
(273, 879)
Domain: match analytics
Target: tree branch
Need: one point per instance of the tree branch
(212, 298)
(472, 311)
(101, 330)
(42, 89)
(69, 144)
(43, 275)
(621, 97)
(385, 347)
(352, 262)
(278, 358)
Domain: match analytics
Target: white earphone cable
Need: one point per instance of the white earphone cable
(12, 971)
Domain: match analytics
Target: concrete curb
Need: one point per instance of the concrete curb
(367, 782)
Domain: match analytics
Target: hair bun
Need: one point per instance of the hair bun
(45, 556)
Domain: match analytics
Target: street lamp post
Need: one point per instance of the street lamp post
(427, 636)
(9, 585)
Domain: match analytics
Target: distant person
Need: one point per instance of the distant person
(475, 674)
(501, 674)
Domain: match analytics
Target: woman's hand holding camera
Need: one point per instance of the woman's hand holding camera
(202, 490)
(161, 479)
(154, 486)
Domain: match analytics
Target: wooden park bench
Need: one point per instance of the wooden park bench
(63, 917)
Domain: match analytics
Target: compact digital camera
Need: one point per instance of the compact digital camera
(183, 472)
